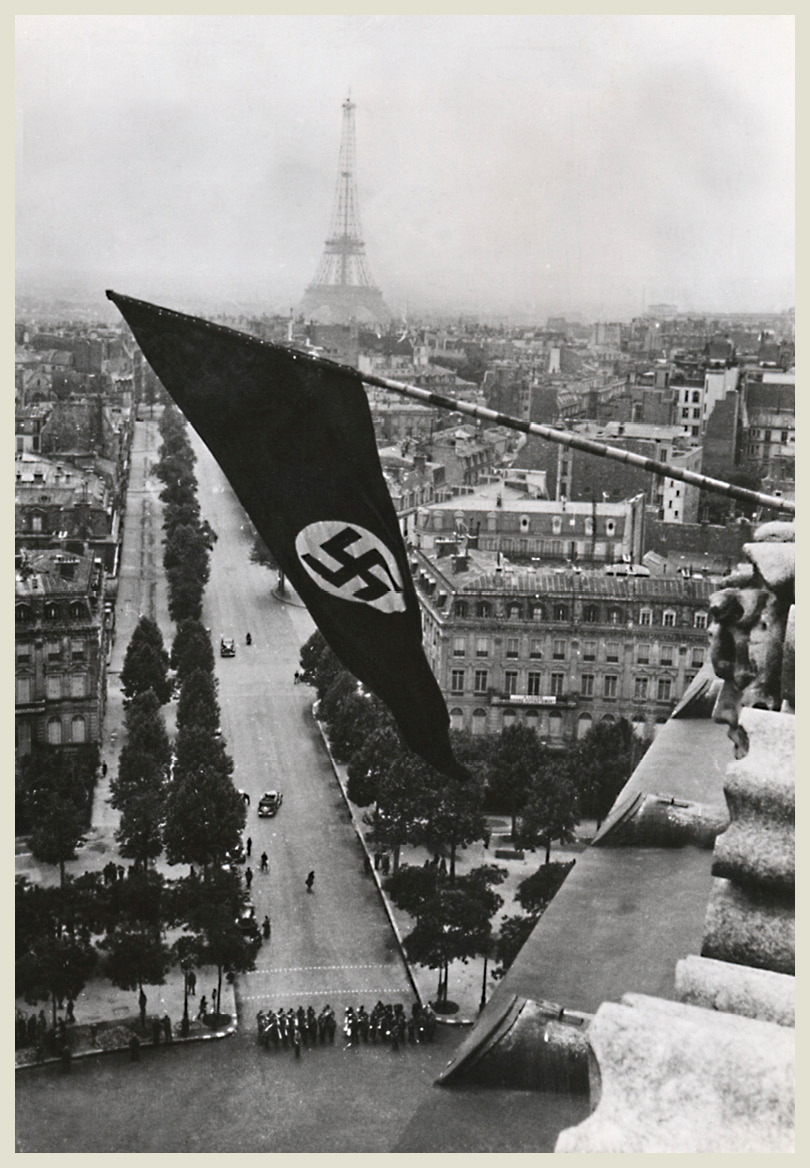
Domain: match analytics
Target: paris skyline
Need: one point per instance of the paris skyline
(505, 165)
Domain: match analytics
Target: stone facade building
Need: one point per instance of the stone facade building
(60, 649)
(557, 650)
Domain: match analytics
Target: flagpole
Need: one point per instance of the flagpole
(600, 449)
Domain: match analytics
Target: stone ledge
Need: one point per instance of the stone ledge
(749, 928)
(736, 989)
(759, 846)
(669, 1077)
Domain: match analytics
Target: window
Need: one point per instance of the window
(615, 616)
(555, 725)
(590, 614)
(510, 680)
(664, 689)
(557, 684)
(696, 396)
(77, 650)
(52, 612)
(78, 611)
(459, 646)
(560, 612)
(556, 524)
(589, 526)
(457, 681)
(584, 724)
(612, 651)
(23, 652)
(610, 527)
(642, 654)
(697, 658)
(645, 616)
(559, 651)
(481, 676)
(479, 722)
(78, 685)
(700, 620)
(437, 520)
(53, 649)
(536, 648)
(533, 684)
(456, 719)
(22, 690)
(696, 412)
(586, 685)
(685, 411)
(54, 732)
(22, 614)
(589, 650)
(36, 523)
(610, 685)
(78, 729)
(513, 612)
(512, 647)
(482, 646)
(524, 523)
(509, 718)
(538, 613)
(640, 693)
(460, 608)
(669, 619)
(53, 687)
(666, 654)
(483, 609)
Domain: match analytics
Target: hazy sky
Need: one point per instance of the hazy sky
(523, 163)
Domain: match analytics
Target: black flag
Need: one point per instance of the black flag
(296, 441)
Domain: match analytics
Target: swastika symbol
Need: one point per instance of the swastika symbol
(350, 562)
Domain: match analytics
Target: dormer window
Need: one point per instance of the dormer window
(556, 524)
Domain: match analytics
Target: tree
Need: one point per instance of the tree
(370, 763)
(146, 663)
(198, 705)
(135, 957)
(138, 789)
(196, 747)
(454, 813)
(455, 924)
(210, 908)
(517, 758)
(536, 892)
(319, 665)
(353, 716)
(399, 814)
(515, 932)
(191, 649)
(54, 967)
(601, 763)
(205, 815)
(187, 551)
(185, 595)
(550, 811)
(58, 785)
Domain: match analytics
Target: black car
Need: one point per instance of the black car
(269, 803)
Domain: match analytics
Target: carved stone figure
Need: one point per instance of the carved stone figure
(751, 630)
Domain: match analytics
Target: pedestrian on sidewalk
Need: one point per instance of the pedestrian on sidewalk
(202, 1010)
(249, 846)
(167, 1028)
(296, 677)
(191, 980)
(104, 770)
(214, 1000)
(142, 1008)
(248, 878)
(263, 862)
(266, 928)
(70, 1017)
(310, 880)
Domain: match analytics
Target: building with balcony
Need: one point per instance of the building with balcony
(558, 651)
(60, 649)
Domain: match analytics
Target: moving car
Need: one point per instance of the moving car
(227, 647)
(269, 803)
(246, 921)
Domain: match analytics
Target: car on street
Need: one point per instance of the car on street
(246, 921)
(269, 803)
(227, 647)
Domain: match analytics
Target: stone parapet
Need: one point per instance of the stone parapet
(749, 928)
(736, 989)
(669, 1077)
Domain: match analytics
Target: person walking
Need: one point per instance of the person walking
(167, 1028)
(310, 880)
(191, 979)
(266, 928)
(248, 878)
(248, 846)
(142, 1008)
(203, 1008)
(263, 862)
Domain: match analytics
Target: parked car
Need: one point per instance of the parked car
(269, 803)
(227, 647)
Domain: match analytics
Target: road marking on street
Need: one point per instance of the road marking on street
(308, 968)
(396, 991)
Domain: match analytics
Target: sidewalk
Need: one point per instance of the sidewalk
(465, 982)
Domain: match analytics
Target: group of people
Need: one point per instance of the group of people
(34, 1031)
(389, 1024)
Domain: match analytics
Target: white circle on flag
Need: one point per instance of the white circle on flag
(348, 561)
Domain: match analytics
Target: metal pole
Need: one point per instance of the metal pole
(484, 982)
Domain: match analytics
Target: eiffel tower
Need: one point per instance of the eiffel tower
(343, 290)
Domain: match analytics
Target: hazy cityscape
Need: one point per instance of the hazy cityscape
(581, 223)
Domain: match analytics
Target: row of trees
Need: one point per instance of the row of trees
(90, 926)
(188, 537)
